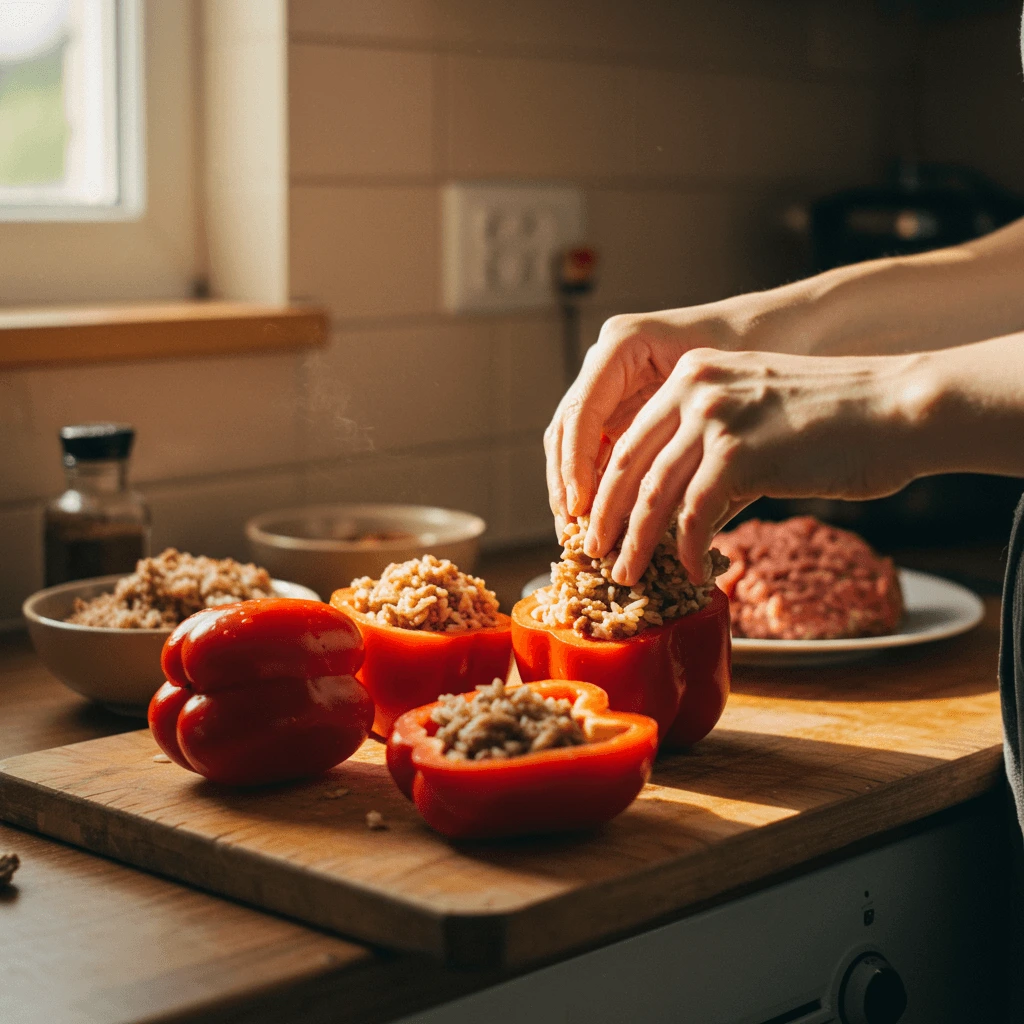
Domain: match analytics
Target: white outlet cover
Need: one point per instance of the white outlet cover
(499, 240)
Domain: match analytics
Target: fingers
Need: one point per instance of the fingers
(632, 456)
(556, 489)
(582, 425)
(603, 383)
(707, 504)
(734, 509)
(660, 494)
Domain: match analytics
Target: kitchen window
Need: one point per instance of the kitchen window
(103, 253)
(70, 110)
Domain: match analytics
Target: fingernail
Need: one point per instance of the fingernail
(570, 499)
(560, 526)
(590, 547)
(619, 571)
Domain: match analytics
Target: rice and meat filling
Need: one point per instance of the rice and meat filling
(583, 596)
(167, 589)
(426, 593)
(500, 721)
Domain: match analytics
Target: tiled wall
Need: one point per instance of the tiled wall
(688, 124)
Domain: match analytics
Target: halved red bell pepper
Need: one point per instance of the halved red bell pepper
(678, 673)
(562, 789)
(406, 668)
(261, 691)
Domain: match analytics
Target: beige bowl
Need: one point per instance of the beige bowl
(117, 667)
(317, 546)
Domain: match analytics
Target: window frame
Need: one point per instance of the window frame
(130, 125)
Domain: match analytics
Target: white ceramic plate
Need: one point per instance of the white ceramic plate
(935, 608)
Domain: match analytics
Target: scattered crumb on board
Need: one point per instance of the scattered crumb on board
(375, 821)
(334, 794)
(161, 759)
(9, 864)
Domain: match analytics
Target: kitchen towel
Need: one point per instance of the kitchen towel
(1011, 661)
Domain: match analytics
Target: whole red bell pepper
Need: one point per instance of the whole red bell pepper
(261, 691)
(679, 673)
(561, 789)
(406, 668)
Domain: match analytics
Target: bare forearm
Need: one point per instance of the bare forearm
(969, 403)
(903, 304)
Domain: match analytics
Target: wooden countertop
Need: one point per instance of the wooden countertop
(86, 939)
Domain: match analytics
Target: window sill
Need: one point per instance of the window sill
(168, 330)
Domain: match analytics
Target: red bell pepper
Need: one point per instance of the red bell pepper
(261, 691)
(562, 789)
(678, 673)
(406, 668)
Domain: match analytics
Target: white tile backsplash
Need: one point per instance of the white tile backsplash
(452, 479)
(394, 387)
(522, 512)
(366, 251)
(192, 417)
(208, 516)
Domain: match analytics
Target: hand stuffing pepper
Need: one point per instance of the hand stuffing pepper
(406, 668)
(469, 780)
(679, 673)
(261, 691)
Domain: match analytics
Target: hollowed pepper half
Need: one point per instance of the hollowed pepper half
(261, 691)
(406, 668)
(561, 789)
(679, 673)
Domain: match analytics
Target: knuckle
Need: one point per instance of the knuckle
(572, 412)
(708, 403)
(688, 520)
(653, 494)
(701, 365)
(617, 326)
(621, 458)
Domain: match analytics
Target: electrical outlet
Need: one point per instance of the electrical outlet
(500, 240)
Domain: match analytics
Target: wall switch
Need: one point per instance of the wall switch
(499, 240)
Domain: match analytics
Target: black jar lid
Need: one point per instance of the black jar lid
(88, 441)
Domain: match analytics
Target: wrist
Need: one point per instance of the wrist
(785, 319)
(926, 409)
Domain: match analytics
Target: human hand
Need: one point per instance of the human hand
(728, 427)
(632, 358)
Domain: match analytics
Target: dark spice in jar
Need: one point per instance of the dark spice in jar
(98, 526)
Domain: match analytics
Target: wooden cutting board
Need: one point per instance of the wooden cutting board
(802, 764)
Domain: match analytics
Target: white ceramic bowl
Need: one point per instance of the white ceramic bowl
(117, 667)
(317, 546)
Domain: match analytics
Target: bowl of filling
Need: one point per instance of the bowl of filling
(102, 637)
(326, 546)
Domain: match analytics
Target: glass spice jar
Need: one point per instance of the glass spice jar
(98, 526)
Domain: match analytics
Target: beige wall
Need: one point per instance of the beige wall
(688, 124)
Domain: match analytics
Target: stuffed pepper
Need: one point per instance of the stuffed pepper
(261, 691)
(427, 629)
(521, 760)
(660, 648)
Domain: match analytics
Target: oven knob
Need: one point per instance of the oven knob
(872, 992)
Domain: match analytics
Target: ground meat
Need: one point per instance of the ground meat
(804, 580)
(503, 721)
(426, 593)
(168, 588)
(583, 596)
